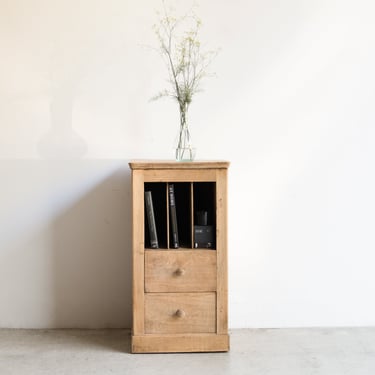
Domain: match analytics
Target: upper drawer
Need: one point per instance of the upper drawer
(180, 270)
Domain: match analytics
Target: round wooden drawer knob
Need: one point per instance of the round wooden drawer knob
(179, 272)
(180, 313)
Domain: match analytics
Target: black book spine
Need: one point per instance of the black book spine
(173, 216)
(151, 220)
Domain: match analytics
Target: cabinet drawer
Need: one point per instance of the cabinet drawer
(180, 271)
(180, 313)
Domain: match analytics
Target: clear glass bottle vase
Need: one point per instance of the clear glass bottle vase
(184, 150)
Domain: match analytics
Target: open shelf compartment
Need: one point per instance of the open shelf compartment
(195, 205)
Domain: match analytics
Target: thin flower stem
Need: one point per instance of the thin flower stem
(186, 64)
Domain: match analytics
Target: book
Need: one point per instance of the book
(151, 220)
(173, 216)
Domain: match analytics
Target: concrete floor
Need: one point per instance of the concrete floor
(260, 352)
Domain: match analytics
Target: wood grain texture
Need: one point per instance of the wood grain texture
(179, 175)
(169, 164)
(138, 251)
(222, 252)
(180, 313)
(180, 343)
(180, 296)
(180, 271)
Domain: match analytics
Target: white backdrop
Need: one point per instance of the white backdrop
(291, 108)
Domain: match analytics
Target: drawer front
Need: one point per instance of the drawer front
(180, 271)
(180, 313)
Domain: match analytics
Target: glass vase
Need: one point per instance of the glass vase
(184, 150)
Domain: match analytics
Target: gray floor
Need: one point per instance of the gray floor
(260, 352)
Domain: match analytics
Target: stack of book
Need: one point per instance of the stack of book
(150, 214)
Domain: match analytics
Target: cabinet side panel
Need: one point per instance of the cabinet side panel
(138, 251)
(222, 252)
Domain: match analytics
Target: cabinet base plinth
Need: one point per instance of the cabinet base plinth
(180, 343)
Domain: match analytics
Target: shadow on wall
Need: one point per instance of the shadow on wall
(91, 255)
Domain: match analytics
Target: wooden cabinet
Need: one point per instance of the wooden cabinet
(180, 295)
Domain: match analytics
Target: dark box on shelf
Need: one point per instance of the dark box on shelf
(203, 236)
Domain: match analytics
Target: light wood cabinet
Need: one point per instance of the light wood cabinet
(180, 296)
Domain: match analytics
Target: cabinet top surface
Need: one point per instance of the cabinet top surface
(168, 164)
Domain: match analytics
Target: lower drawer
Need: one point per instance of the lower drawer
(180, 313)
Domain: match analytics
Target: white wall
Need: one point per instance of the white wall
(291, 108)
